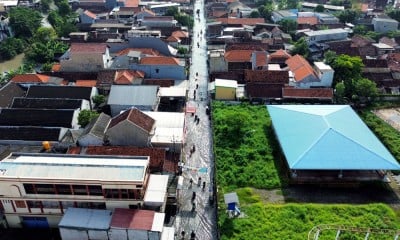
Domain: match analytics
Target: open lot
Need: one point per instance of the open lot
(271, 208)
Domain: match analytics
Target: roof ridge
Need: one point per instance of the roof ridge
(310, 147)
(361, 145)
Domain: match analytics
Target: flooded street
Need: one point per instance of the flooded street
(12, 64)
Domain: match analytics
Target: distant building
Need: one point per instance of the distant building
(223, 89)
(384, 25)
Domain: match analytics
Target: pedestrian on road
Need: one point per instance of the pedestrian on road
(193, 196)
(198, 121)
(197, 86)
(199, 182)
(197, 74)
(183, 234)
(204, 186)
(195, 118)
(198, 45)
(192, 235)
(191, 182)
(193, 206)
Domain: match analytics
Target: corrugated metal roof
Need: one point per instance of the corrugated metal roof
(167, 119)
(75, 167)
(133, 95)
(172, 92)
(137, 219)
(328, 137)
(225, 83)
(82, 218)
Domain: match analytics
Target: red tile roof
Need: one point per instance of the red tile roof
(88, 47)
(90, 14)
(264, 90)
(300, 67)
(266, 76)
(173, 39)
(131, 3)
(30, 78)
(56, 67)
(316, 93)
(242, 21)
(86, 83)
(157, 155)
(180, 34)
(158, 18)
(159, 60)
(159, 82)
(146, 51)
(136, 117)
(261, 59)
(132, 219)
(238, 55)
(126, 77)
(280, 54)
(307, 20)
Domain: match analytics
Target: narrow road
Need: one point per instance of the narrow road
(199, 163)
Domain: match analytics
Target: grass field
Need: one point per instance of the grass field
(246, 152)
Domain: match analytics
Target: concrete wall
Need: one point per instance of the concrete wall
(224, 93)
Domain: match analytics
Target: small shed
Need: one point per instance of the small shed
(223, 89)
(93, 135)
(136, 224)
(82, 223)
(231, 200)
(156, 193)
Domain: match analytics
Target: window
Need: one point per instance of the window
(98, 205)
(29, 188)
(34, 204)
(95, 190)
(51, 204)
(79, 189)
(67, 204)
(45, 189)
(20, 204)
(63, 189)
(112, 193)
(157, 70)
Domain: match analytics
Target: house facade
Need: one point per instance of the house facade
(37, 189)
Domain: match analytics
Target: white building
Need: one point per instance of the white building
(326, 35)
(36, 189)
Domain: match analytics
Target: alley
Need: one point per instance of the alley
(197, 155)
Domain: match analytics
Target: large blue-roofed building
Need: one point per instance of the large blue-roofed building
(328, 137)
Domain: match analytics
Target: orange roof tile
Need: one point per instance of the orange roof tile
(173, 39)
(180, 34)
(30, 78)
(307, 20)
(261, 59)
(131, 3)
(238, 55)
(300, 67)
(85, 83)
(159, 61)
(146, 51)
(243, 21)
(280, 54)
(127, 77)
(148, 11)
(56, 67)
(90, 14)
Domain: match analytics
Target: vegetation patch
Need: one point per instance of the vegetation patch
(294, 221)
(389, 136)
(243, 144)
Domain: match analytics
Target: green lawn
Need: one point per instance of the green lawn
(293, 221)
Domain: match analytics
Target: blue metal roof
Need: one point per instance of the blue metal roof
(328, 137)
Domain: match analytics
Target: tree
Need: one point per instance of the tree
(319, 8)
(288, 25)
(99, 99)
(266, 11)
(85, 116)
(64, 9)
(10, 47)
(340, 93)
(254, 14)
(394, 13)
(360, 29)
(24, 21)
(329, 57)
(365, 90)
(45, 5)
(348, 16)
(336, 2)
(44, 34)
(347, 68)
(301, 48)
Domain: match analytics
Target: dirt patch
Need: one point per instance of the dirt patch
(391, 116)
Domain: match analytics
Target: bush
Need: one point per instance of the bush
(85, 116)
(243, 147)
